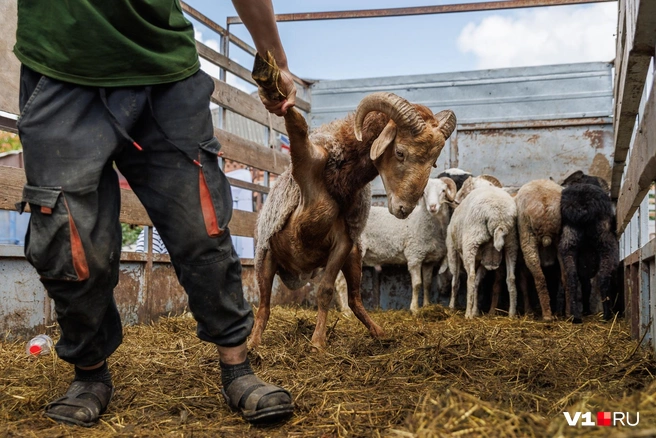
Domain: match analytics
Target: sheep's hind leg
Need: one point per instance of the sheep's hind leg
(264, 273)
(480, 274)
(455, 282)
(327, 289)
(427, 281)
(415, 276)
(532, 260)
(608, 252)
(352, 270)
(472, 292)
(496, 289)
(568, 252)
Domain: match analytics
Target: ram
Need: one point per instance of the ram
(315, 213)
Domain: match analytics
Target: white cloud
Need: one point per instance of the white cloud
(542, 36)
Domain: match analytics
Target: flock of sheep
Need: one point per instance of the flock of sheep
(480, 226)
(318, 219)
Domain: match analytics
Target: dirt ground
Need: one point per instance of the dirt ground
(435, 375)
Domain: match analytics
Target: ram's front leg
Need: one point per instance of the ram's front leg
(308, 160)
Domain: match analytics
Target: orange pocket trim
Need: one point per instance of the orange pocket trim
(207, 206)
(77, 250)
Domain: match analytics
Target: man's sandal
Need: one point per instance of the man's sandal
(257, 401)
(82, 404)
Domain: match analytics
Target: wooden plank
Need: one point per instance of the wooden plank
(251, 153)
(244, 104)
(8, 124)
(15, 251)
(648, 252)
(237, 69)
(132, 212)
(248, 186)
(636, 40)
(9, 65)
(641, 170)
(224, 62)
(633, 258)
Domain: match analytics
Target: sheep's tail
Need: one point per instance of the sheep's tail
(444, 266)
(546, 241)
(499, 235)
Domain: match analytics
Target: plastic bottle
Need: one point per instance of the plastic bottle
(40, 345)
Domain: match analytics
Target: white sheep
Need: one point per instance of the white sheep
(419, 240)
(482, 230)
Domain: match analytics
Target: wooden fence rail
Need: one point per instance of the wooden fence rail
(636, 37)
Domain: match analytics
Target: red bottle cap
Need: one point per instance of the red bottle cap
(35, 349)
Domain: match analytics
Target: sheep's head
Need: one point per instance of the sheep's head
(439, 191)
(475, 182)
(407, 148)
(579, 177)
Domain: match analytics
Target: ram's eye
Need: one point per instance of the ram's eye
(399, 155)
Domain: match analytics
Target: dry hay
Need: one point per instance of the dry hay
(436, 375)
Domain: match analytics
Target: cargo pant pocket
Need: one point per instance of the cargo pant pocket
(52, 244)
(215, 195)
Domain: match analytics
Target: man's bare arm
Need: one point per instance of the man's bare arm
(259, 19)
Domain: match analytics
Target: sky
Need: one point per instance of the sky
(391, 46)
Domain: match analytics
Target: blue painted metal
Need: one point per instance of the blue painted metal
(13, 227)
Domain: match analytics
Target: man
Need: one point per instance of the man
(106, 83)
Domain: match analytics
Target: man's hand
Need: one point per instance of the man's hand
(287, 88)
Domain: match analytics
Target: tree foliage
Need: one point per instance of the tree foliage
(9, 142)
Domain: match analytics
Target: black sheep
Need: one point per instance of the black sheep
(588, 245)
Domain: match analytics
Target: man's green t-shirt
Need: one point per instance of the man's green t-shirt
(106, 43)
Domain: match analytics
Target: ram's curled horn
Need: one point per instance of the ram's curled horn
(397, 108)
(447, 122)
(451, 188)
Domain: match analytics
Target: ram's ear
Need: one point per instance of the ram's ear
(572, 178)
(385, 139)
(466, 187)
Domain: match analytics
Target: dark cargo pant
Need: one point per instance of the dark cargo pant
(158, 137)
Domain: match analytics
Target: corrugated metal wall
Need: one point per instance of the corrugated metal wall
(500, 95)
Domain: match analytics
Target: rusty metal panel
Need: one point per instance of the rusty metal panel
(24, 308)
(517, 156)
(645, 316)
(130, 293)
